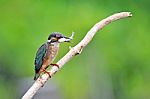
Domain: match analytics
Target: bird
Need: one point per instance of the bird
(47, 52)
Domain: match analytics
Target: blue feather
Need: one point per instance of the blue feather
(39, 57)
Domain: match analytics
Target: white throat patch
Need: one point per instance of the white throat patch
(48, 40)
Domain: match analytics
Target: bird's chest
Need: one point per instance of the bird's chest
(52, 52)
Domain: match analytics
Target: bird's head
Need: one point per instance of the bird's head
(57, 37)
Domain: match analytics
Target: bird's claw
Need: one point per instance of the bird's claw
(47, 73)
(55, 65)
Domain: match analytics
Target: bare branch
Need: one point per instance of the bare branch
(74, 51)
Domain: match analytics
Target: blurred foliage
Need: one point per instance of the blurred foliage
(115, 65)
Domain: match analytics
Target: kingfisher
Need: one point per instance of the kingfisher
(47, 53)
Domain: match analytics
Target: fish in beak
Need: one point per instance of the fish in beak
(66, 39)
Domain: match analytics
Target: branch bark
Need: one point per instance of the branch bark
(73, 52)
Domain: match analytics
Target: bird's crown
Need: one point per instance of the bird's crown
(55, 35)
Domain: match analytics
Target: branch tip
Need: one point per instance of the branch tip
(129, 14)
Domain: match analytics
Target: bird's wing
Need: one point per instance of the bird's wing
(39, 57)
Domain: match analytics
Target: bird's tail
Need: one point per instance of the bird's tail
(36, 76)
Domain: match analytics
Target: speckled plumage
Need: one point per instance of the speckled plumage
(44, 57)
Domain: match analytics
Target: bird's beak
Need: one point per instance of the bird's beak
(64, 39)
(67, 39)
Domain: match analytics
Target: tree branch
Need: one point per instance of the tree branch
(73, 52)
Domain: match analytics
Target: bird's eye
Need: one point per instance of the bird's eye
(54, 39)
(57, 36)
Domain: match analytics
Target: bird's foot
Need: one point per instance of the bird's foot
(47, 73)
(44, 71)
(55, 65)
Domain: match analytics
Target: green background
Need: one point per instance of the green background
(115, 65)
